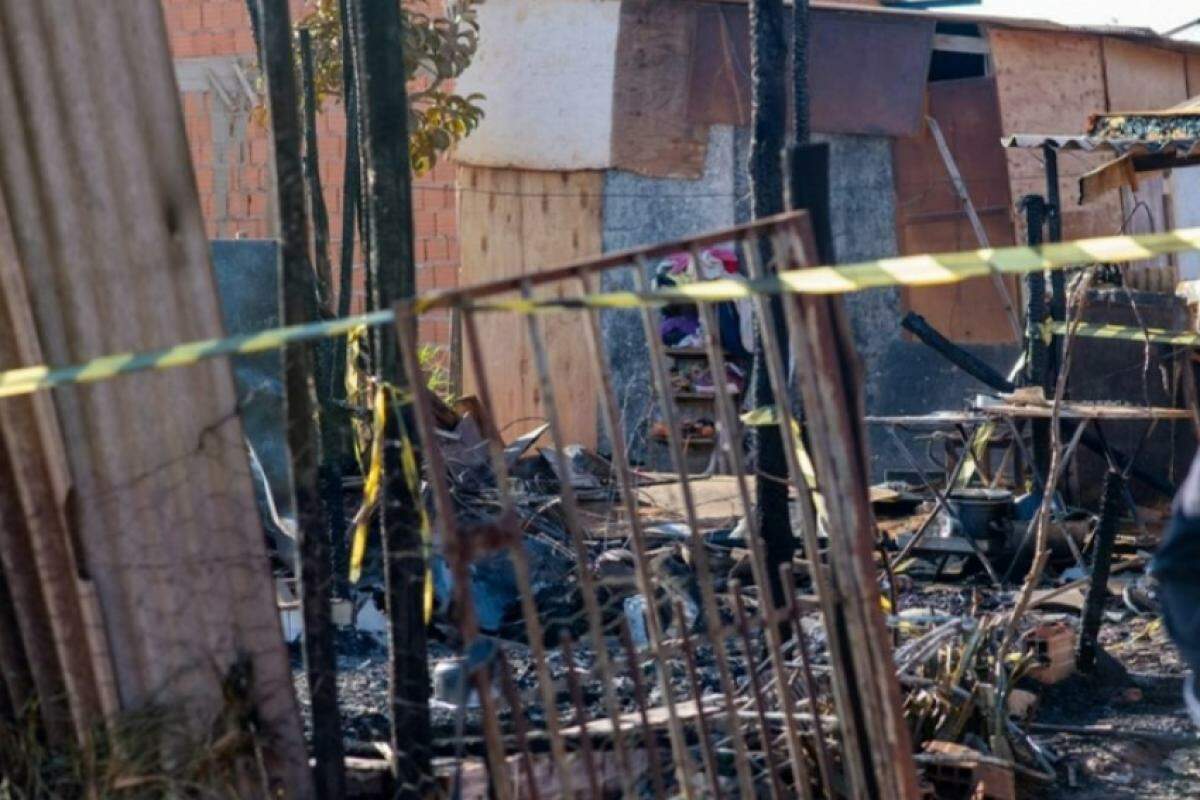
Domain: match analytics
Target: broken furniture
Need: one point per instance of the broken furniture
(975, 427)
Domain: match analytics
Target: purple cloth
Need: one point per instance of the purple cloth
(674, 329)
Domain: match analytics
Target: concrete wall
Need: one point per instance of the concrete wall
(901, 377)
(638, 211)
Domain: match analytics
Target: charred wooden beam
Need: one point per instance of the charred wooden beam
(1111, 505)
(975, 367)
(299, 299)
(376, 36)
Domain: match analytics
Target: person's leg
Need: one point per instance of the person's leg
(1176, 568)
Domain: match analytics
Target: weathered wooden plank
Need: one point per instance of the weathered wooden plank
(930, 212)
(651, 132)
(828, 371)
(95, 172)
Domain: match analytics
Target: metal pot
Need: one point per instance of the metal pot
(984, 515)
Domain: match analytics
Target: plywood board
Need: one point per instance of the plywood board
(512, 222)
(1142, 78)
(546, 70)
(931, 216)
(651, 132)
(867, 73)
(1050, 83)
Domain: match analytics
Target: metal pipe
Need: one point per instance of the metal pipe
(706, 745)
(731, 441)
(639, 693)
(756, 688)
(581, 717)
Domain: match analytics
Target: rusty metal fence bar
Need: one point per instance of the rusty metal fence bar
(732, 683)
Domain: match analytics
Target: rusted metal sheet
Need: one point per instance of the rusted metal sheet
(1142, 78)
(96, 178)
(866, 71)
(930, 215)
(651, 132)
(719, 78)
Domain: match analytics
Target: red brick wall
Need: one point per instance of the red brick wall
(200, 29)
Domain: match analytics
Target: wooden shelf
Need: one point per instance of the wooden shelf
(687, 440)
(686, 352)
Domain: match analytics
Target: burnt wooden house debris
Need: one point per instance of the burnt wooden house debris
(713, 493)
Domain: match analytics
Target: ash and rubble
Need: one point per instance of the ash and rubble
(1029, 729)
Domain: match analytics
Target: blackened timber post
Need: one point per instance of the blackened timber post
(377, 34)
(333, 421)
(1111, 505)
(299, 305)
(1036, 351)
(769, 123)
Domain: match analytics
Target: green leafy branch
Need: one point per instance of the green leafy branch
(437, 49)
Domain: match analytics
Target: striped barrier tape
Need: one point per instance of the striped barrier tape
(30, 379)
(1126, 333)
(922, 270)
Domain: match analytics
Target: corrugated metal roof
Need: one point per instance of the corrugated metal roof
(1180, 148)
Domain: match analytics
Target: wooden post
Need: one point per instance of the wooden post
(1036, 351)
(376, 31)
(769, 122)
(299, 305)
(828, 371)
(330, 384)
(1111, 505)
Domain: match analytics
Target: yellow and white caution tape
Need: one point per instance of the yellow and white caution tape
(372, 488)
(1126, 333)
(922, 270)
(30, 379)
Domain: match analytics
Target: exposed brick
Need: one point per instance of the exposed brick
(447, 224)
(425, 223)
(221, 27)
(210, 15)
(234, 17)
(185, 17)
(435, 249)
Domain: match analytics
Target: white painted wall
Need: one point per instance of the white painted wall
(1185, 204)
(546, 69)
